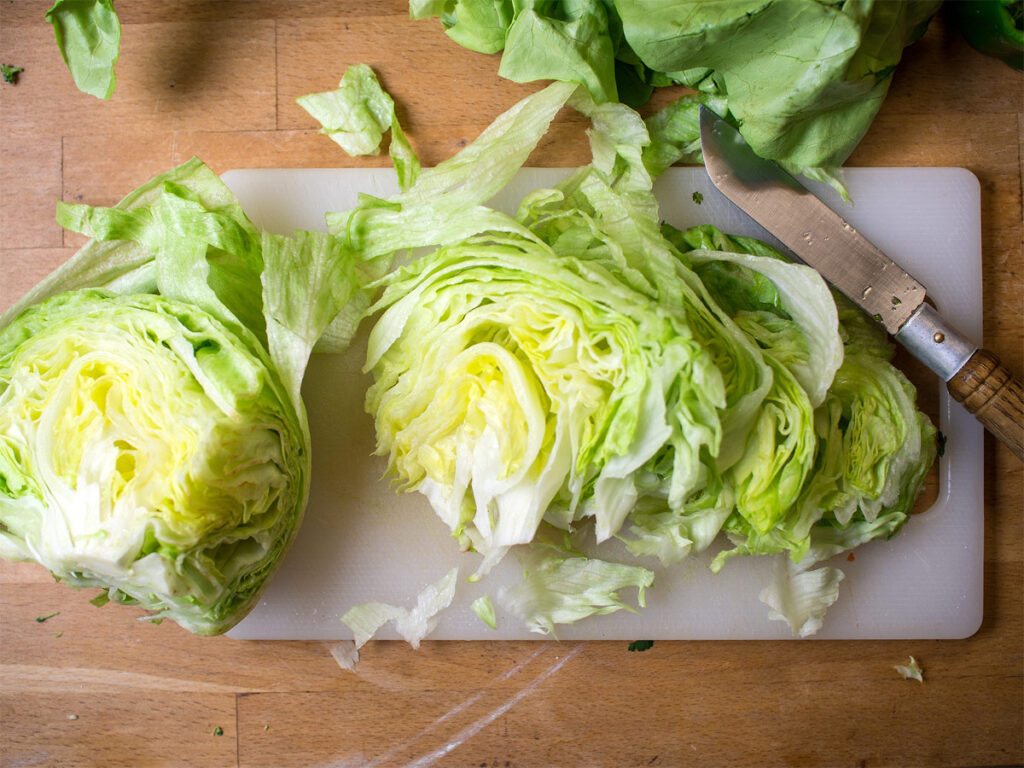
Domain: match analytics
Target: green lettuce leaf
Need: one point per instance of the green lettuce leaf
(88, 35)
(356, 116)
(572, 45)
(561, 586)
(445, 204)
(803, 79)
(479, 26)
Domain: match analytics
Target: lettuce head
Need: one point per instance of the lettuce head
(582, 367)
(153, 441)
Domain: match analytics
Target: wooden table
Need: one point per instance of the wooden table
(96, 687)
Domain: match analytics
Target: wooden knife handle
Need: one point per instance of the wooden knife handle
(994, 395)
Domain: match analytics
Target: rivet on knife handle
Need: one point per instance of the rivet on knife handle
(973, 376)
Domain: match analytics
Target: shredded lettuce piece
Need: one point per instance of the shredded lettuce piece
(911, 670)
(356, 116)
(561, 586)
(412, 624)
(484, 609)
(800, 596)
(345, 654)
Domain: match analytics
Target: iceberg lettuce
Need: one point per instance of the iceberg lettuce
(153, 440)
(584, 367)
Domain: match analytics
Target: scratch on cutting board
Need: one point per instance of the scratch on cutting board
(478, 725)
(514, 670)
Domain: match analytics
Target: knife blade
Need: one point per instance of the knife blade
(822, 239)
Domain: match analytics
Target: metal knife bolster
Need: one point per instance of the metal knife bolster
(822, 239)
(936, 343)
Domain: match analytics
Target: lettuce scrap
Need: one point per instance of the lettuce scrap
(412, 624)
(88, 34)
(356, 116)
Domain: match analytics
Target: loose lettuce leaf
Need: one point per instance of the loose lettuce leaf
(445, 204)
(88, 35)
(561, 586)
(356, 116)
(412, 624)
(484, 609)
(803, 79)
(799, 596)
(479, 26)
(911, 670)
(573, 46)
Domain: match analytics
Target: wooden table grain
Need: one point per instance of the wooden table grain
(97, 687)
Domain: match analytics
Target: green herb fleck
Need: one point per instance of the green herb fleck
(60, 634)
(101, 599)
(266, 727)
(218, 731)
(940, 444)
(41, 619)
(10, 73)
(698, 198)
(640, 645)
(877, 318)
(896, 301)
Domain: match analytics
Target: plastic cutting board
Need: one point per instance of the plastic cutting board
(362, 541)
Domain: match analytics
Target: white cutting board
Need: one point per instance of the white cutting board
(362, 541)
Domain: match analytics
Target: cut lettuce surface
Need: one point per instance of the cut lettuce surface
(802, 79)
(153, 441)
(582, 367)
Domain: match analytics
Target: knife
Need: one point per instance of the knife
(850, 263)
